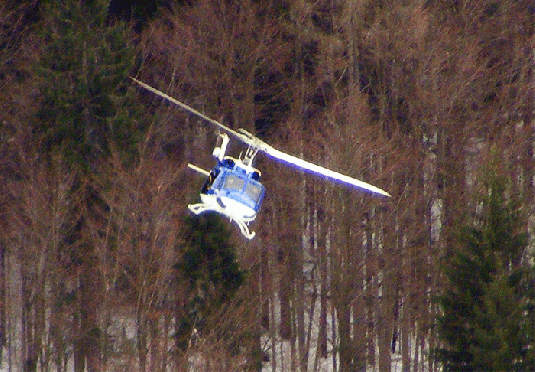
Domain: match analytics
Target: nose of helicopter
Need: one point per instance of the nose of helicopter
(229, 207)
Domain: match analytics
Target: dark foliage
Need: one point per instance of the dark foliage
(83, 70)
(209, 265)
(484, 304)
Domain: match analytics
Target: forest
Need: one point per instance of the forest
(104, 268)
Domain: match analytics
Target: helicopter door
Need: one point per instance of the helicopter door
(209, 181)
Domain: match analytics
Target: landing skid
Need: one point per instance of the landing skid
(203, 207)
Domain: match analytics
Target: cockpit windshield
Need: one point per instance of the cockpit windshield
(240, 188)
(233, 183)
(254, 191)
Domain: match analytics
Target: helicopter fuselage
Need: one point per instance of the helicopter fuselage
(234, 190)
(235, 187)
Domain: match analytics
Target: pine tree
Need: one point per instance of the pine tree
(83, 73)
(84, 114)
(208, 264)
(485, 299)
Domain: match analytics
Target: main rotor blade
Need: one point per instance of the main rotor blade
(318, 169)
(251, 140)
(185, 107)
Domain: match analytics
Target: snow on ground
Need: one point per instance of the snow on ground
(283, 348)
(283, 361)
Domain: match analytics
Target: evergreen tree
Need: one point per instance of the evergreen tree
(485, 299)
(208, 264)
(83, 73)
(84, 114)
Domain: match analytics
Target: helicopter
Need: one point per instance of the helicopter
(233, 188)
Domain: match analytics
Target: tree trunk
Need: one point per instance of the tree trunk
(30, 351)
(285, 291)
(323, 263)
(265, 287)
(370, 293)
(386, 303)
(346, 347)
(3, 300)
(87, 351)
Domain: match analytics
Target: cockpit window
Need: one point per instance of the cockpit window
(233, 182)
(254, 191)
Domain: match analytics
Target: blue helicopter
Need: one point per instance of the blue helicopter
(233, 188)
